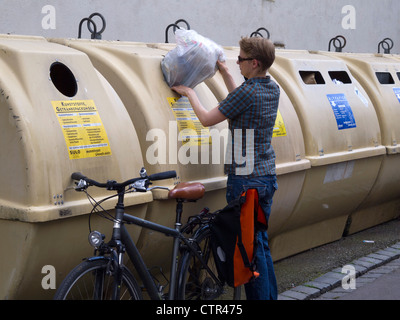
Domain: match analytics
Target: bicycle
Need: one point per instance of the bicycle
(104, 275)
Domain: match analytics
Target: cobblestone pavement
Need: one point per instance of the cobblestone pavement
(306, 266)
(373, 277)
(382, 283)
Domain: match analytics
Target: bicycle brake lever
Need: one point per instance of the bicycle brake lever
(157, 187)
(81, 185)
(139, 185)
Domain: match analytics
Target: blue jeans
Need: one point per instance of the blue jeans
(265, 286)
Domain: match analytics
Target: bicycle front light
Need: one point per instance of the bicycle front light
(95, 239)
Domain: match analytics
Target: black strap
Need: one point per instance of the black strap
(240, 245)
(243, 253)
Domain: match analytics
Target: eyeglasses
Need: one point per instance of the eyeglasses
(240, 59)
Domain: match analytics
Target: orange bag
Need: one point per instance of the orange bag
(234, 233)
(243, 259)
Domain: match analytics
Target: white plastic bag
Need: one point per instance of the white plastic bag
(192, 61)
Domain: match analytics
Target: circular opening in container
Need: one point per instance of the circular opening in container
(63, 79)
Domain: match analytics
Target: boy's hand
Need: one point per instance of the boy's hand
(182, 90)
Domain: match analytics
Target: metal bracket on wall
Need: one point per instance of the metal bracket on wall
(339, 42)
(258, 33)
(176, 26)
(386, 44)
(95, 34)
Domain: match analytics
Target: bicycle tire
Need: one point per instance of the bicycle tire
(80, 283)
(194, 283)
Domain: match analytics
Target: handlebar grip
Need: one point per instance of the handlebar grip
(163, 175)
(77, 176)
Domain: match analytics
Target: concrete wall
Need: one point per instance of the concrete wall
(300, 24)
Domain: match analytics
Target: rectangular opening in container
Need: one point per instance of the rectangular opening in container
(398, 75)
(340, 77)
(385, 77)
(312, 77)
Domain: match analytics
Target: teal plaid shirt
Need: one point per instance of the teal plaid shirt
(251, 110)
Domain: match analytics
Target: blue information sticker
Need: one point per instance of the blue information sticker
(342, 111)
(397, 93)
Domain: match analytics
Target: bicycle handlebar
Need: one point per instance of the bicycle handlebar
(114, 185)
(162, 175)
(77, 176)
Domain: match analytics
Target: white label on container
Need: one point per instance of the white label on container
(339, 171)
(361, 96)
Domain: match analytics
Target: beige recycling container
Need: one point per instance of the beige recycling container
(288, 144)
(48, 93)
(394, 56)
(379, 76)
(134, 71)
(342, 141)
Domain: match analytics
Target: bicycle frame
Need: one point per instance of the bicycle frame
(121, 233)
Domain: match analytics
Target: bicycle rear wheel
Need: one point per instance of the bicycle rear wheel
(194, 282)
(91, 281)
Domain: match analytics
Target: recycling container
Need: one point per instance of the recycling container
(394, 56)
(379, 76)
(58, 115)
(170, 135)
(342, 141)
(288, 144)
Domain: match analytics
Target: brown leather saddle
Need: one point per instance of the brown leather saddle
(187, 191)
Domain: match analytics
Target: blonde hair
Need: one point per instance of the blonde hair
(259, 48)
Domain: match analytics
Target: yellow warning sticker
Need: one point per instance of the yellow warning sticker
(279, 127)
(83, 129)
(190, 128)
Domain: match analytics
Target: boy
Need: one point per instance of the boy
(251, 108)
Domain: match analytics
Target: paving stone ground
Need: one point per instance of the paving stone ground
(344, 282)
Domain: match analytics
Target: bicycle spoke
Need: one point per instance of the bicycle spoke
(90, 281)
(196, 283)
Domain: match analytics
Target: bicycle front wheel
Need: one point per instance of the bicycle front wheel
(195, 282)
(91, 281)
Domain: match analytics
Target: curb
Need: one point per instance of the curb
(333, 279)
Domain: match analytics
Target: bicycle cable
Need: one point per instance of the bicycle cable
(103, 212)
(95, 210)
